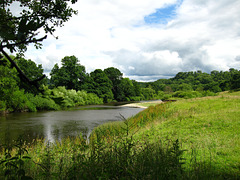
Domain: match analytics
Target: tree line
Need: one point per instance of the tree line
(197, 82)
(70, 85)
(107, 84)
(110, 85)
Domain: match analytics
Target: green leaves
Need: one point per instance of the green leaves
(102, 85)
(14, 162)
(72, 74)
(17, 31)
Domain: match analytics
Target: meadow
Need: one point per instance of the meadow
(195, 138)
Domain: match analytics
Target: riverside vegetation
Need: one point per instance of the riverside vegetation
(71, 86)
(188, 139)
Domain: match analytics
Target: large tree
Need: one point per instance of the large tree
(22, 20)
(126, 90)
(71, 74)
(116, 77)
(102, 85)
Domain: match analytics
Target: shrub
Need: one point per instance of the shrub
(68, 102)
(92, 98)
(148, 93)
(71, 98)
(82, 98)
(187, 94)
(44, 103)
(136, 98)
(208, 93)
(18, 101)
(2, 106)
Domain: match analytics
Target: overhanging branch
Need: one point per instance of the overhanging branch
(23, 42)
(21, 74)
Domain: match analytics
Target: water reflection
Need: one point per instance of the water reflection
(54, 125)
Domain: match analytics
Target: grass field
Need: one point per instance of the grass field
(187, 139)
(208, 130)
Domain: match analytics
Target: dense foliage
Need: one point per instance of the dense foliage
(110, 84)
(16, 95)
(198, 81)
(71, 74)
(195, 84)
(71, 86)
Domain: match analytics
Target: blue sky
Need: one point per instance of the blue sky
(148, 39)
(162, 15)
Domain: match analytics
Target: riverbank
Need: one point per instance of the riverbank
(188, 139)
(143, 104)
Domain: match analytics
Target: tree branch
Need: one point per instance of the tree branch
(21, 74)
(23, 42)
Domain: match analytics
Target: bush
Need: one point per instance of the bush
(92, 98)
(82, 98)
(208, 93)
(44, 103)
(187, 94)
(136, 98)
(148, 93)
(18, 101)
(71, 98)
(2, 106)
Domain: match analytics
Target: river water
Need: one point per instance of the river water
(55, 125)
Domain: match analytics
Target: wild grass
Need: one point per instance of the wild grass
(208, 128)
(188, 139)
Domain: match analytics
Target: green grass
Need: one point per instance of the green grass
(208, 129)
(187, 139)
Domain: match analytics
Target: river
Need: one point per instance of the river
(55, 125)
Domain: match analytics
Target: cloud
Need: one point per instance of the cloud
(147, 63)
(195, 35)
(237, 58)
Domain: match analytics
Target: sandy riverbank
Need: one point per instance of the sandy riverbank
(143, 104)
(134, 105)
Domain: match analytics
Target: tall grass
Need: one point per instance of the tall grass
(122, 158)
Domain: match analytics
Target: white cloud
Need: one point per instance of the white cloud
(237, 58)
(203, 35)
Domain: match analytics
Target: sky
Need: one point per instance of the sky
(147, 39)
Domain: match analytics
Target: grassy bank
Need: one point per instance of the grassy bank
(187, 139)
(207, 130)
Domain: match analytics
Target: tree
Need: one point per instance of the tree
(102, 85)
(184, 87)
(32, 71)
(126, 90)
(8, 82)
(148, 93)
(136, 88)
(17, 30)
(168, 89)
(11, 98)
(116, 77)
(71, 75)
(235, 82)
